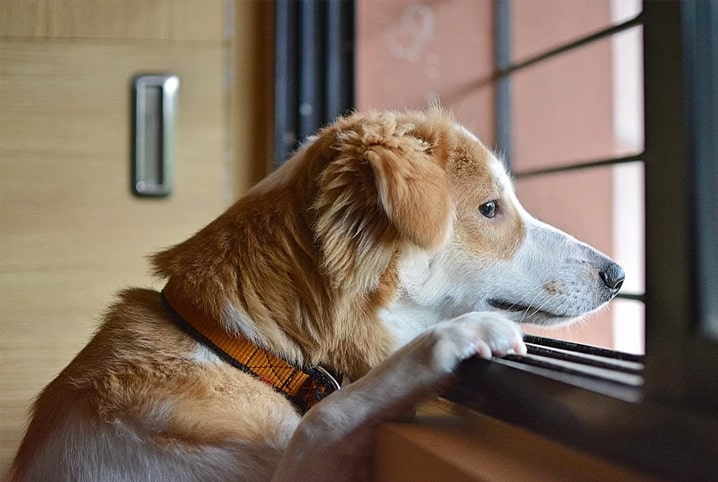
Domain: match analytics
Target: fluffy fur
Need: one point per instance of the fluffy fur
(366, 253)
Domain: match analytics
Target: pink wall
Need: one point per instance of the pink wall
(411, 53)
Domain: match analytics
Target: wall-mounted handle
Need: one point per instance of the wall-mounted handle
(154, 124)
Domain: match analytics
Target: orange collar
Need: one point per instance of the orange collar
(304, 387)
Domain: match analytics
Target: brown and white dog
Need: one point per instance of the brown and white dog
(389, 248)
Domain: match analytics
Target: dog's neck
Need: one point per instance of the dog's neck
(271, 283)
(303, 386)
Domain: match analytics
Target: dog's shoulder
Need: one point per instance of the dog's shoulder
(140, 367)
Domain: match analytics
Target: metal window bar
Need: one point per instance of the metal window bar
(610, 161)
(601, 34)
(501, 15)
(285, 90)
(504, 69)
(502, 59)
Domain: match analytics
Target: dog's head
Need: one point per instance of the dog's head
(463, 241)
(379, 226)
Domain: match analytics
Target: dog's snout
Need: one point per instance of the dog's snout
(613, 276)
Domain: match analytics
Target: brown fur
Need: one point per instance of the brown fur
(309, 256)
(367, 187)
(474, 185)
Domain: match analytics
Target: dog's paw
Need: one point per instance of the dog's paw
(484, 334)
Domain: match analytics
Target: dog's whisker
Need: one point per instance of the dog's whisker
(540, 307)
(528, 308)
(529, 293)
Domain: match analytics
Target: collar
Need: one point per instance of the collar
(304, 387)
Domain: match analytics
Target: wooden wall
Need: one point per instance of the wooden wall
(71, 234)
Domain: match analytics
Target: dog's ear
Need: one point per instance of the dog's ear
(381, 186)
(413, 190)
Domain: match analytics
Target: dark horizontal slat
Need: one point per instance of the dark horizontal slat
(556, 367)
(632, 296)
(610, 161)
(608, 364)
(580, 348)
(510, 69)
(607, 32)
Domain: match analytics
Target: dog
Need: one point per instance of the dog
(340, 291)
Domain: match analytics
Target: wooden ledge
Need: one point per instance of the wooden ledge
(446, 442)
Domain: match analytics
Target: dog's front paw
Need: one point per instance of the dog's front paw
(484, 334)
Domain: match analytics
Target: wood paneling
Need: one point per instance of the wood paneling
(251, 97)
(202, 21)
(71, 234)
(123, 20)
(23, 18)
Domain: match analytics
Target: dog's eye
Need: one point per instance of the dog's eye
(488, 209)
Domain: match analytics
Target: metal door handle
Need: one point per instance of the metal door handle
(154, 124)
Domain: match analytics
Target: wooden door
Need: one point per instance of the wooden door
(71, 233)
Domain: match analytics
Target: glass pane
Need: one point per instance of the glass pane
(628, 224)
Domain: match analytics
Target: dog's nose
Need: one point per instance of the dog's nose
(613, 276)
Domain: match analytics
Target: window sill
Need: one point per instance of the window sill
(619, 424)
(448, 442)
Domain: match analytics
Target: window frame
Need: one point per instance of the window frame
(679, 264)
(669, 428)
